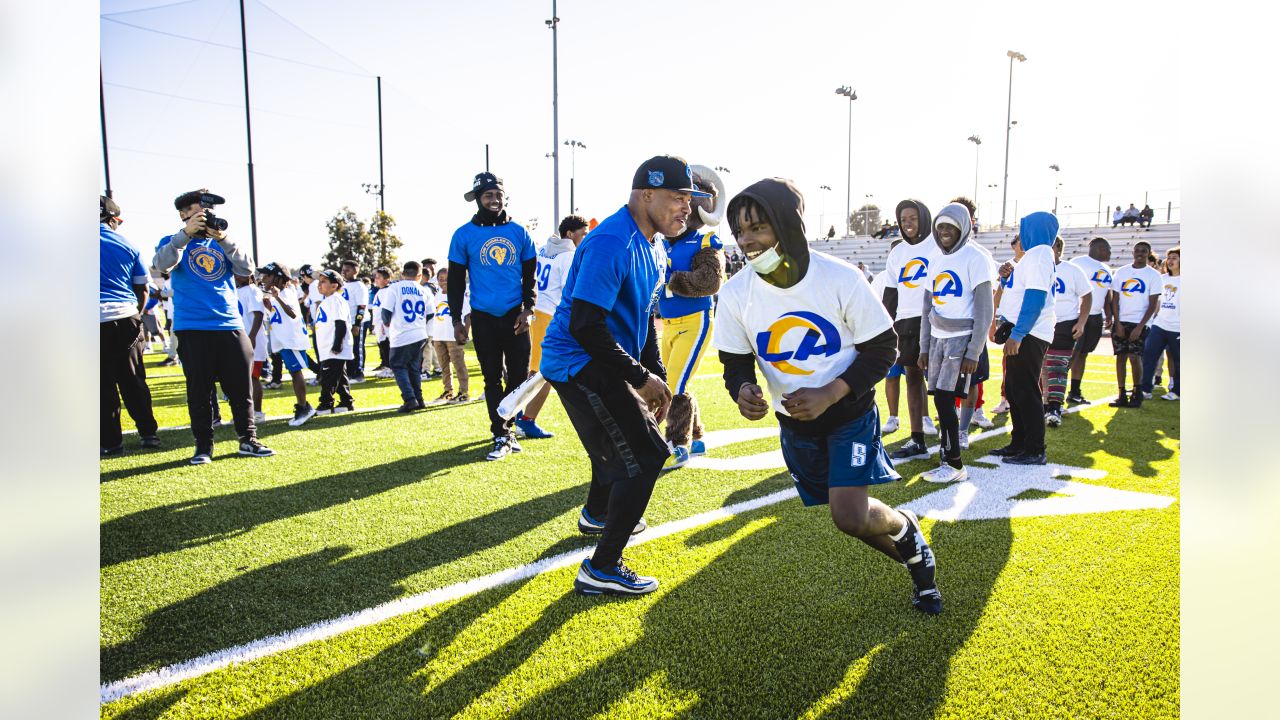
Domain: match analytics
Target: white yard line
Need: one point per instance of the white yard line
(274, 644)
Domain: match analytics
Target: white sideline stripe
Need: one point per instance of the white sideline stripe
(280, 417)
(264, 647)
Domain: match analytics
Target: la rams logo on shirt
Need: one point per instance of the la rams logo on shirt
(946, 284)
(913, 272)
(1133, 286)
(1059, 286)
(1008, 282)
(1100, 278)
(498, 251)
(207, 262)
(442, 309)
(820, 338)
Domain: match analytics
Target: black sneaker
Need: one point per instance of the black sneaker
(1135, 400)
(588, 525)
(255, 448)
(411, 406)
(203, 456)
(1026, 459)
(919, 559)
(150, 442)
(113, 451)
(1076, 399)
(345, 407)
(1007, 451)
(301, 414)
(1122, 400)
(910, 451)
(324, 409)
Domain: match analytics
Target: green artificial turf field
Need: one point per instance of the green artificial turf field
(768, 613)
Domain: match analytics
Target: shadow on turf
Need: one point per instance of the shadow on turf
(319, 585)
(767, 629)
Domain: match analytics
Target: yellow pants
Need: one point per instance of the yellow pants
(537, 330)
(684, 340)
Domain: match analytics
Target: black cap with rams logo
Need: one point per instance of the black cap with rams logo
(666, 172)
(483, 181)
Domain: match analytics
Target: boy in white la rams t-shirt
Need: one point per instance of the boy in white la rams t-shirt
(334, 343)
(1094, 266)
(1135, 298)
(1166, 330)
(405, 311)
(1072, 304)
(812, 325)
(253, 316)
(449, 352)
(288, 334)
(955, 313)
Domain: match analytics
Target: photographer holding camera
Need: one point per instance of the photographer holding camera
(213, 345)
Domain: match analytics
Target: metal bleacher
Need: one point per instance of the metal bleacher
(872, 252)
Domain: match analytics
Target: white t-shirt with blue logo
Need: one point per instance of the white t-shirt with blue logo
(1069, 288)
(249, 299)
(550, 276)
(330, 310)
(494, 256)
(802, 336)
(1170, 304)
(1134, 286)
(908, 271)
(288, 333)
(442, 323)
(375, 314)
(356, 295)
(950, 282)
(1099, 277)
(1033, 272)
(410, 304)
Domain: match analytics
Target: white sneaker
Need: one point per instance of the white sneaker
(1169, 396)
(981, 420)
(926, 424)
(1003, 407)
(259, 417)
(890, 425)
(945, 474)
(1146, 396)
(385, 373)
(964, 439)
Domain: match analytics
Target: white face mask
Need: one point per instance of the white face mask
(767, 261)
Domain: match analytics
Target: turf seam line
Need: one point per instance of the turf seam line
(281, 642)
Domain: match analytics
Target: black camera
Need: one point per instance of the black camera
(211, 221)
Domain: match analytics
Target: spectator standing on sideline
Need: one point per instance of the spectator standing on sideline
(1166, 330)
(404, 312)
(1096, 271)
(122, 293)
(1028, 312)
(213, 345)
(1135, 298)
(358, 300)
(499, 255)
(554, 259)
(601, 355)
(253, 317)
(452, 355)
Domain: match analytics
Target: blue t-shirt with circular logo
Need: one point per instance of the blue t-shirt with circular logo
(494, 256)
(204, 292)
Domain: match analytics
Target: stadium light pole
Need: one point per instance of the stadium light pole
(1008, 126)
(248, 134)
(977, 144)
(102, 106)
(991, 188)
(1056, 184)
(573, 170)
(822, 216)
(852, 94)
(554, 24)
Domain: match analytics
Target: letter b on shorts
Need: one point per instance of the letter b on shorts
(859, 457)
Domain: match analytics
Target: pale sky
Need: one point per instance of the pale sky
(746, 85)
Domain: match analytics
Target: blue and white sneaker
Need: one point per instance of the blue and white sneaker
(697, 448)
(678, 459)
(528, 428)
(621, 580)
(588, 525)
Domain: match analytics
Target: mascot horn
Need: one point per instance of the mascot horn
(713, 218)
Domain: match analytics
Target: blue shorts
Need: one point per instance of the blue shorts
(895, 371)
(850, 456)
(294, 360)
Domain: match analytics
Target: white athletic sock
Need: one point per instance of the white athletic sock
(906, 525)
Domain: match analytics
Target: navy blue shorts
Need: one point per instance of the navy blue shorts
(850, 456)
(983, 372)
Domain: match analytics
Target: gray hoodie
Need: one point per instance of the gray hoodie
(983, 306)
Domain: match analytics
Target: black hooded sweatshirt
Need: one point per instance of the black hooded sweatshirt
(890, 298)
(784, 208)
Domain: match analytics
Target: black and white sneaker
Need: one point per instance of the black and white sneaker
(255, 448)
(150, 442)
(1076, 398)
(515, 444)
(918, 557)
(301, 414)
(501, 448)
(910, 451)
(343, 407)
(203, 456)
(621, 580)
(324, 409)
(588, 525)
